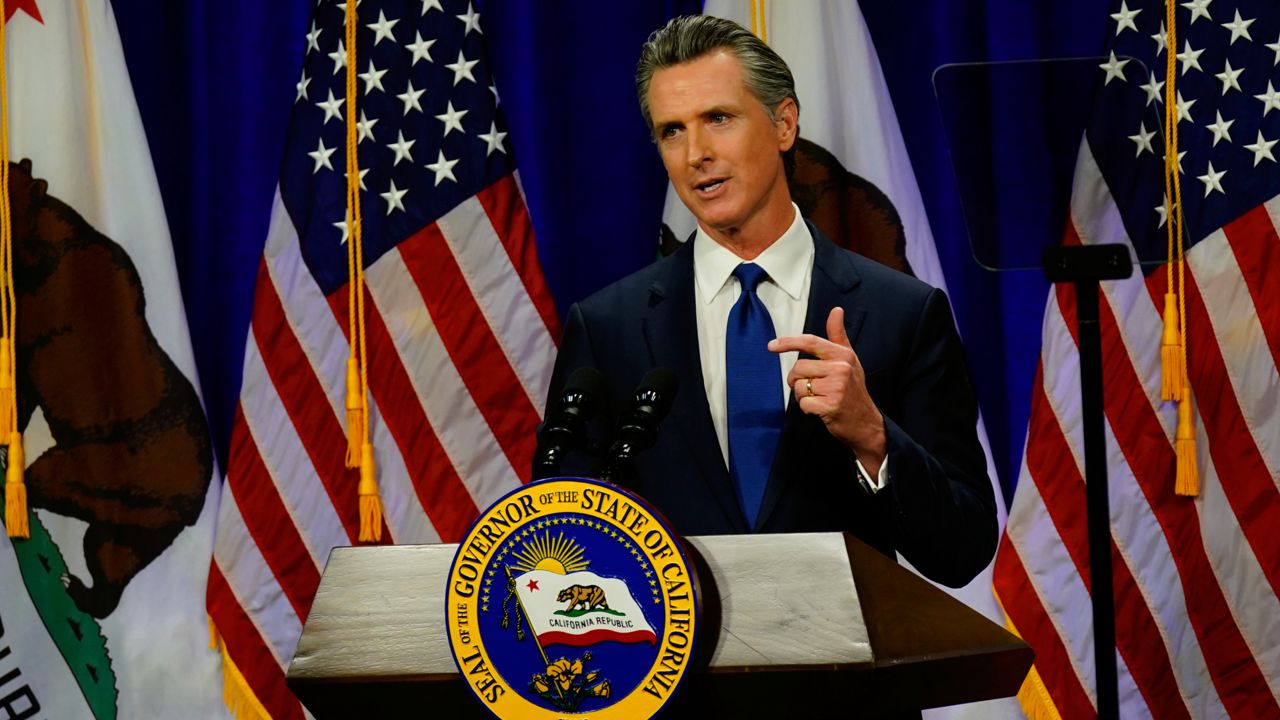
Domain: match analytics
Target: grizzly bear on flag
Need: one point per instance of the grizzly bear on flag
(131, 454)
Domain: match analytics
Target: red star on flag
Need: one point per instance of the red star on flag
(27, 6)
(533, 584)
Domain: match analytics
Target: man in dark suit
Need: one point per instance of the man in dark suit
(818, 390)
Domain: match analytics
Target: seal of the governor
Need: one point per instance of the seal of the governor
(571, 596)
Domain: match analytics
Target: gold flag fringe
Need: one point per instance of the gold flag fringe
(237, 695)
(1033, 696)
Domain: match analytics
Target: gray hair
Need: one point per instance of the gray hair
(687, 38)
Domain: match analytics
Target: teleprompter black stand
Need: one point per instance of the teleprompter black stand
(1085, 266)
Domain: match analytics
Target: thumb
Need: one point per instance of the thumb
(835, 328)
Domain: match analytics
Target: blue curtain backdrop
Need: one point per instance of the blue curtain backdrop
(215, 85)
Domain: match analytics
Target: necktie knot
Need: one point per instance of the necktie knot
(750, 275)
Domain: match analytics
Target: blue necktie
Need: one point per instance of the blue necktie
(754, 392)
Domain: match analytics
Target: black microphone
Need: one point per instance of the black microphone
(567, 415)
(638, 429)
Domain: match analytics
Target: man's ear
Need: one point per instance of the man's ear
(786, 123)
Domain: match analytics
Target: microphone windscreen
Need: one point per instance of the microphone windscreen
(586, 380)
(659, 387)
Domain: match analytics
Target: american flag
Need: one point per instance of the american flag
(1196, 579)
(460, 327)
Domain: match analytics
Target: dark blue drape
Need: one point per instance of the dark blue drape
(999, 315)
(215, 84)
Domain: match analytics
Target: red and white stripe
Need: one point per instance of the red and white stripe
(1196, 579)
(461, 334)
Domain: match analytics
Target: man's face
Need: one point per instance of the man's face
(721, 149)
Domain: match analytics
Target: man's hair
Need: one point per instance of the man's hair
(687, 38)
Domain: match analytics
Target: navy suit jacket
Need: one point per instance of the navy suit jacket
(938, 508)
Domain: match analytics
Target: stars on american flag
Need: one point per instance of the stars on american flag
(462, 69)
(1270, 100)
(1153, 90)
(1143, 140)
(1239, 28)
(1124, 18)
(1226, 79)
(1261, 149)
(428, 128)
(1189, 58)
(1114, 68)
(372, 79)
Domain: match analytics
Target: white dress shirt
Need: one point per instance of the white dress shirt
(789, 263)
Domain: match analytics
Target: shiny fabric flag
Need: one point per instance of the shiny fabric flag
(460, 327)
(1196, 578)
(101, 608)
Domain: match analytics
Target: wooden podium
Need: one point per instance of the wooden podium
(783, 632)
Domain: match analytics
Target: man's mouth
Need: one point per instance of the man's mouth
(708, 187)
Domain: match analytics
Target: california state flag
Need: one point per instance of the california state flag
(102, 607)
(581, 608)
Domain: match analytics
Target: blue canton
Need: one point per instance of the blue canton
(430, 133)
(1229, 115)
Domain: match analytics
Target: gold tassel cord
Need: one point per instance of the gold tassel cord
(16, 514)
(370, 505)
(1187, 480)
(358, 364)
(355, 401)
(1173, 370)
(1175, 381)
(355, 411)
(15, 491)
(6, 380)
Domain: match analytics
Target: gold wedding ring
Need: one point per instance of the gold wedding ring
(808, 387)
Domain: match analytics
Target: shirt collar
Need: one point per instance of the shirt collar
(787, 261)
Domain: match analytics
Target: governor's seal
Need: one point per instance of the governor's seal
(571, 596)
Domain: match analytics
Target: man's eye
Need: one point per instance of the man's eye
(719, 118)
(668, 132)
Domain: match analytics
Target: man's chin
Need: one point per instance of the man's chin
(714, 219)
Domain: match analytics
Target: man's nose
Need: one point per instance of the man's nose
(699, 148)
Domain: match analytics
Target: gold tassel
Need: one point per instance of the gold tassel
(15, 491)
(370, 504)
(1173, 375)
(1187, 481)
(6, 389)
(355, 414)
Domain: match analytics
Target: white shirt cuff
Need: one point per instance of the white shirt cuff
(882, 477)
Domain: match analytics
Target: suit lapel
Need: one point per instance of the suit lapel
(671, 332)
(834, 283)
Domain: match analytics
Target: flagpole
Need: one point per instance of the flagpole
(528, 621)
(1085, 266)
